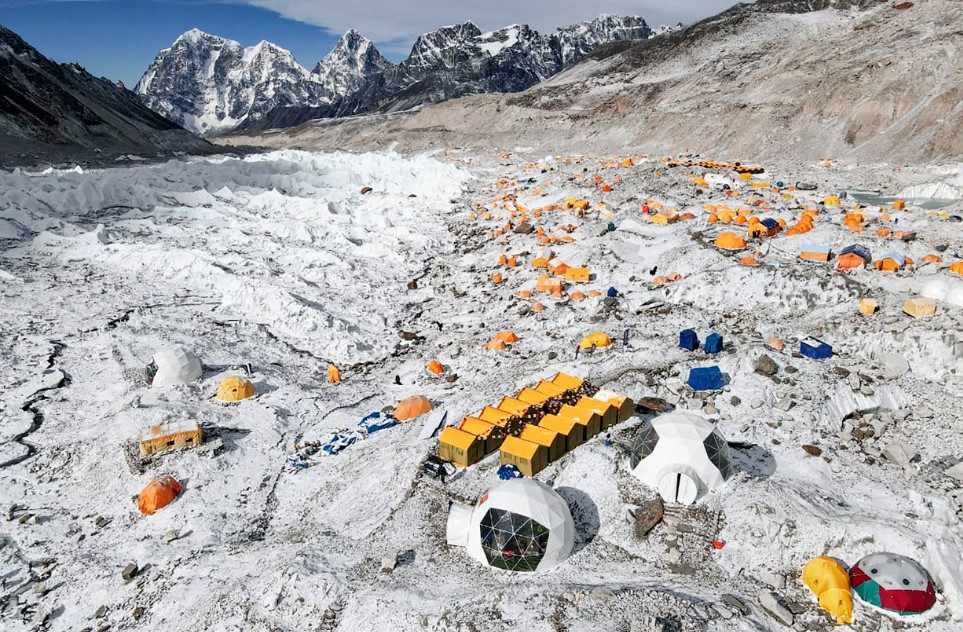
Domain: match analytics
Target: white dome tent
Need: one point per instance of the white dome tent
(172, 365)
(520, 525)
(681, 455)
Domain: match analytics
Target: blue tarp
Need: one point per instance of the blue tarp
(507, 472)
(858, 250)
(713, 343)
(770, 223)
(688, 339)
(377, 421)
(705, 379)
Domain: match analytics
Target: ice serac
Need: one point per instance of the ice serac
(210, 84)
(52, 112)
(352, 61)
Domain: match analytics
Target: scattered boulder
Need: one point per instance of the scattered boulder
(366, 190)
(771, 604)
(955, 471)
(735, 401)
(389, 561)
(523, 228)
(766, 366)
(736, 604)
(130, 571)
(647, 516)
(812, 450)
(899, 453)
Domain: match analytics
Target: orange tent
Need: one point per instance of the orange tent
(334, 374)
(508, 337)
(850, 260)
(412, 407)
(730, 241)
(931, 259)
(496, 345)
(548, 285)
(158, 493)
(748, 261)
(956, 268)
(538, 307)
(435, 367)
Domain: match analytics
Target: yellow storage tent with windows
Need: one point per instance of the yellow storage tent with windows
(538, 400)
(607, 411)
(460, 447)
(573, 432)
(530, 458)
(553, 441)
(568, 382)
(577, 275)
(624, 406)
(495, 417)
(590, 420)
(490, 435)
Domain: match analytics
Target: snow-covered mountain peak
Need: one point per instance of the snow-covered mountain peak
(352, 61)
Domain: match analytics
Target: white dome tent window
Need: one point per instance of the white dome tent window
(172, 365)
(681, 455)
(521, 525)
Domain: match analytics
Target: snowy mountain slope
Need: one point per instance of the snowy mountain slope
(206, 82)
(769, 80)
(352, 61)
(59, 112)
(210, 84)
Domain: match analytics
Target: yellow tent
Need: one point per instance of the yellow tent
(598, 339)
(829, 581)
(460, 447)
(234, 389)
(530, 458)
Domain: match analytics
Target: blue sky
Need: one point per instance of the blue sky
(118, 39)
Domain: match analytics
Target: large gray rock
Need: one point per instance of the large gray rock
(771, 604)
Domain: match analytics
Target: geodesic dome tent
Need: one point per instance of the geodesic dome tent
(893, 582)
(520, 525)
(681, 455)
(172, 365)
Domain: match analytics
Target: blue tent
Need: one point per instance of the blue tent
(770, 223)
(859, 251)
(689, 340)
(705, 378)
(613, 292)
(713, 343)
(815, 349)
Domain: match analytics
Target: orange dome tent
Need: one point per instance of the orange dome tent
(956, 268)
(158, 493)
(730, 241)
(435, 367)
(334, 374)
(412, 407)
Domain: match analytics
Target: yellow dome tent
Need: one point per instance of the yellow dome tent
(829, 581)
(234, 389)
(730, 241)
(598, 339)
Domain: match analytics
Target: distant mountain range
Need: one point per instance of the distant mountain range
(213, 85)
(52, 112)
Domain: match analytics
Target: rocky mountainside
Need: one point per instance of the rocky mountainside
(213, 85)
(52, 112)
(773, 80)
(460, 60)
(353, 60)
(210, 84)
